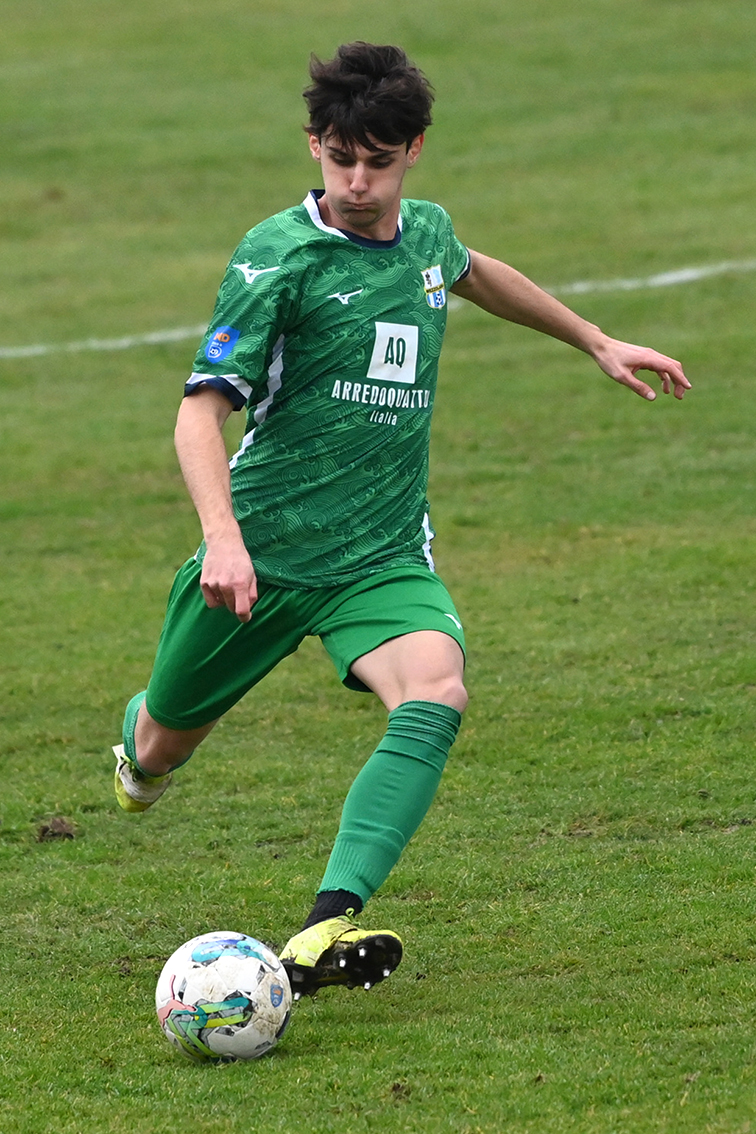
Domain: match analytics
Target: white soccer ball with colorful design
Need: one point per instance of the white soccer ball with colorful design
(223, 996)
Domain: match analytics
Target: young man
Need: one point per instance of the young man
(328, 328)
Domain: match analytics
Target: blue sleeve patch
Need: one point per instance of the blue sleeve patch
(222, 342)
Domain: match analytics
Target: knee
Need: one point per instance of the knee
(451, 691)
(461, 697)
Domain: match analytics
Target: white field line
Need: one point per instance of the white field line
(663, 279)
(177, 335)
(579, 287)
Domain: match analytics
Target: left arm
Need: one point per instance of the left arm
(505, 292)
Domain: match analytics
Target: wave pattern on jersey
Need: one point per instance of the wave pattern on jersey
(333, 486)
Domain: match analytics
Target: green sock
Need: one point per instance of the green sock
(390, 796)
(129, 726)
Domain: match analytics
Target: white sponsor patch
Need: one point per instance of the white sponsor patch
(394, 354)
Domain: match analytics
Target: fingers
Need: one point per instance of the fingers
(642, 389)
(681, 384)
(239, 597)
(239, 602)
(670, 373)
(212, 597)
(245, 600)
(622, 361)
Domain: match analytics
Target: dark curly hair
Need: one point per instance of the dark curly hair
(368, 92)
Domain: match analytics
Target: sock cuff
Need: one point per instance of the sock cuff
(432, 715)
(333, 903)
(129, 725)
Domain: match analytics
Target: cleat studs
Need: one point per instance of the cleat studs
(342, 962)
(386, 973)
(362, 951)
(367, 986)
(297, 995)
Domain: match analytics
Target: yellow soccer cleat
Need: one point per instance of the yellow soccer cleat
(336, 951)
(134, 790)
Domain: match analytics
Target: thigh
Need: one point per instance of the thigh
(423, 666)
(207, 659)
(384, 607)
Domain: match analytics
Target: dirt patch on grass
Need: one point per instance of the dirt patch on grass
(55, 828)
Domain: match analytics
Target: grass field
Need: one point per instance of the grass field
(578, 906)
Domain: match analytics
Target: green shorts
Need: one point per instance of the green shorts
(207, 659)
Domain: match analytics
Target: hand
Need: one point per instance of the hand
(228, 578)
(621, 361)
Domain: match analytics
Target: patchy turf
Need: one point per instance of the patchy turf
(577, 906)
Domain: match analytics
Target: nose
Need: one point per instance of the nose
(358, 182)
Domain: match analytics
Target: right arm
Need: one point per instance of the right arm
(228, 577)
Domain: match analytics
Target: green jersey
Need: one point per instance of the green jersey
(332, 343)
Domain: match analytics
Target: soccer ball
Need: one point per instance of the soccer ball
(223, 996)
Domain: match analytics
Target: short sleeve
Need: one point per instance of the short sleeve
(457, 255)
(251, 313)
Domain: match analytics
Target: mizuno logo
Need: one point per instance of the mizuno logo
(456, 621)
(251, 274)
(344, 297)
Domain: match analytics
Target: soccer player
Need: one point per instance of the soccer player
(327, 329)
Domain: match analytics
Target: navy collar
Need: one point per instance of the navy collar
(311, 201)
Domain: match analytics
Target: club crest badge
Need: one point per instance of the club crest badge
(435, 289)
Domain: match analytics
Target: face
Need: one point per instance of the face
(363, 188)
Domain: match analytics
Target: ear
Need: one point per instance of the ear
(314, 142)
(413, 153)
